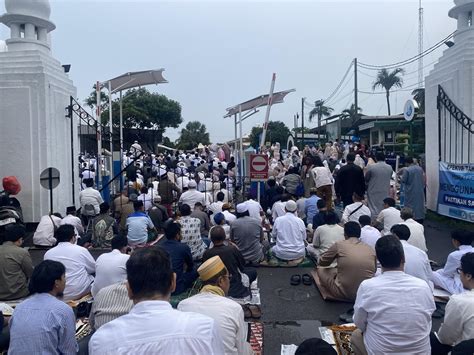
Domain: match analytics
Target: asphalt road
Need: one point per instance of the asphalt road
(292, 314)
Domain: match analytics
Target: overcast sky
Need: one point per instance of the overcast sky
(220, 53)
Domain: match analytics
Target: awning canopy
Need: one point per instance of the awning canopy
(259, 101)
(135, 79)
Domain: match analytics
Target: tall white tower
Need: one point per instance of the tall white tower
(34, 91)
(455, 73)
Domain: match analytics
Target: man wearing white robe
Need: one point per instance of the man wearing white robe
(211, 301)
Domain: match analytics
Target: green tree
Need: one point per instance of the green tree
(388, 80)
(320, 111)
(351, 114)
(193, 134)
(419, 97)
(277, 132)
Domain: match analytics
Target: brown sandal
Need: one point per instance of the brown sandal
(247, 312)
(255, 311)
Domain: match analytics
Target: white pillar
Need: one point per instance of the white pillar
(463, 18)
(30, 31)
(15, 30)
(42, 35)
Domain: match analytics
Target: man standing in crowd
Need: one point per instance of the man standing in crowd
(413, 178)
(43, 324)
(290, 234)
(388, 317)
(166, 190)
(16, 266)
(110, 267)
(356, 262)
(378, 177)
(212, 302)
(79, 263)
(152, 326)
(349, 180)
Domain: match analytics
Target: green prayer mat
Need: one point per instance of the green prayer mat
(174, 300)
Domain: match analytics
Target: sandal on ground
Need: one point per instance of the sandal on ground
(307, 279)
(255, 310)
(247, 312)
(295, 280)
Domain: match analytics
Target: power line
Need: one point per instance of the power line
(409, 60)
(341, 89)
(340, 83)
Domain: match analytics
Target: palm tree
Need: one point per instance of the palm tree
(388, 80)
(351, 113)
(419, 97)
(320, 110)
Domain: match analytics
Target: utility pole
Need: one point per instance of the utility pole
(302, 122)
(356, 92)
(420, 46)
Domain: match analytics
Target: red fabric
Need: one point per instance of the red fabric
(11, 185)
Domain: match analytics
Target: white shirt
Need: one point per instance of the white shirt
(322, 176)
(369, 235)
(227, 196)
(229, 217)
(75, 222)
(290, 233)
(360, 210)
(417, 234)
(44, 234)
(393, 311)
(254, 208)
(447, 278)
(146, 199)
(229, 317)
(192, 196)
(110, 268)
(388, 217)
(417, 263)
(278, 209)
(458, 319)
(90, 196)
(216, 207)
(79, 265)
(326, 235)
(153, 327)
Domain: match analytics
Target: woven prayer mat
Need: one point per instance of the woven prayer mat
(342, 336)
(256, 337)
(83, 329)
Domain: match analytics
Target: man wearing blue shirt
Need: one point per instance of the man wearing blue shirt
(138, 226)
(43, 324)
(310, 205)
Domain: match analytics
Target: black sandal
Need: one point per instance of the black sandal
(295, 280)
(307, 279)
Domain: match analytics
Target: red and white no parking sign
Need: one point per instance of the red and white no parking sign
(258, 167)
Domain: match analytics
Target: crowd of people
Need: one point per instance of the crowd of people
(185, 219)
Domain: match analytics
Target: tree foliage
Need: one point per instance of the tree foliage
(351, 114)
(419, 97)
(320, 110)
(388, 80)
(194, 133)
(141, 109)
(277, 132)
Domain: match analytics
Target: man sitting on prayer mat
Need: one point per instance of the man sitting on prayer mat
(42, 324)
(152, 326)
(392, 311)
(356, 262)
(181, 258)
(326, 235)
(458, 327)
(16, 266)
(110, 267)
(290, 234)
(79, 263)
(233, 261)
(447, 278)
(211, 301)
